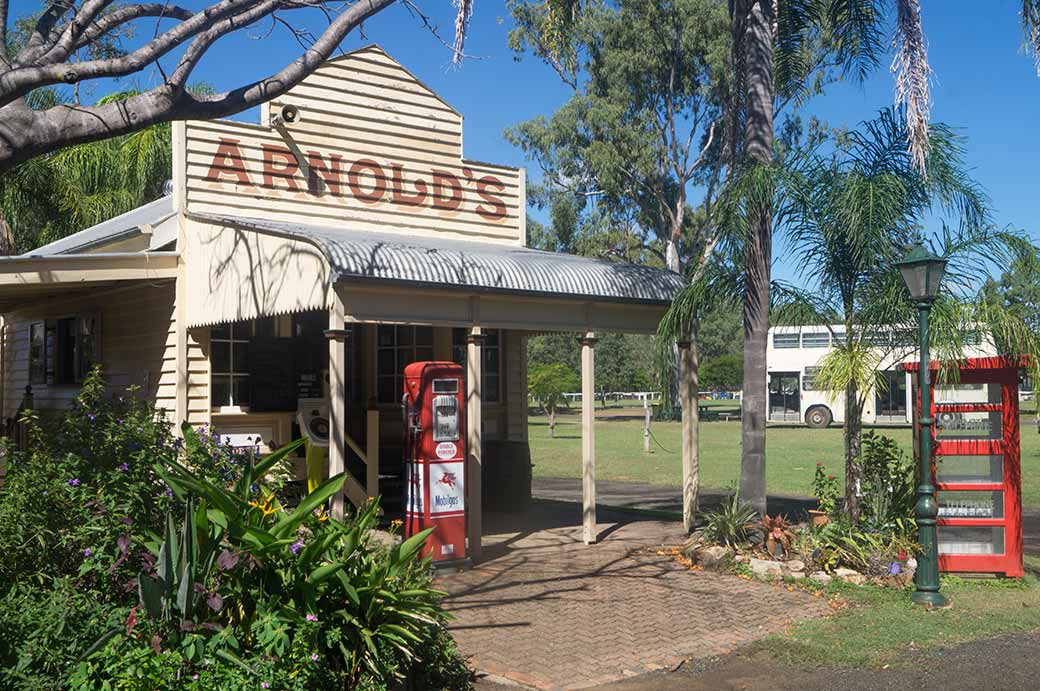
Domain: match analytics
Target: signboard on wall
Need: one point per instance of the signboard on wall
(373, 149)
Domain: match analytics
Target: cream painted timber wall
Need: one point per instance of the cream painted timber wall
(137, 344)
(373, 149)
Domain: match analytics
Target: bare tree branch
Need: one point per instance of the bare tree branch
(124, 15)
(25, 133)
(3, 32)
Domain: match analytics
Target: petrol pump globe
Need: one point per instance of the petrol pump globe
(922, 271)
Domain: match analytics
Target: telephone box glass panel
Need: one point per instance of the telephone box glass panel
(973, 425)
(962, 539)
(970, 469)
(967, 393)
(971, 504)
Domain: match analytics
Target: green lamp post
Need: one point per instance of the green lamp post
(922, 271)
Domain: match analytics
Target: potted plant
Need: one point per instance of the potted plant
(825, 489)
(778, 534)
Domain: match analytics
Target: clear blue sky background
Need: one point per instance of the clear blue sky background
(985, 85)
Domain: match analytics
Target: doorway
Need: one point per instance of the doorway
(785, 403)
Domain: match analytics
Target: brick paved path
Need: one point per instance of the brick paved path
(546, 611)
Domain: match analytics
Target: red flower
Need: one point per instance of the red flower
(131, 621)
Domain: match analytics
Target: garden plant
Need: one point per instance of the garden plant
(135, 558)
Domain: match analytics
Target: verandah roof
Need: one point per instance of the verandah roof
(390, 258)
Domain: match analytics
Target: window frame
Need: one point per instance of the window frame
(395, 374)
(823, 339)
(62, 341)
(787, 344)
(231, 374)
(460, 354)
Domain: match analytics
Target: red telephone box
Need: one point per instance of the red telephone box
(976, 466)
(435, 453)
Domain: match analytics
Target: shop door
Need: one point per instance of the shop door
(977, 473)
(784, 397)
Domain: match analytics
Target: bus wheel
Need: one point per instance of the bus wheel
(818, 417)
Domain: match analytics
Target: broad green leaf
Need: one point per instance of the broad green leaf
(311, 502)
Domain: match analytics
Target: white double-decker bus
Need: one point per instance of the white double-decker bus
(793, 359)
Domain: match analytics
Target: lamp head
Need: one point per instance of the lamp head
(922, 271)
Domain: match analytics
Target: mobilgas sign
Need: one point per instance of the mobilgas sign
(367, 180)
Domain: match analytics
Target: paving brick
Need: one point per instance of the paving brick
(549, 612)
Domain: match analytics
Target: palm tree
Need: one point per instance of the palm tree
(51, 196)
(851, 215)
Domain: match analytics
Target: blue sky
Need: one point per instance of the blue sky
(985, 85)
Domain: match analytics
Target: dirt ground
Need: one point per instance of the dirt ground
(1006, 663)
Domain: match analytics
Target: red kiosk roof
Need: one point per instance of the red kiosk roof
(979, 363)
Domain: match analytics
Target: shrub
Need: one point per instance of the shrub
(888, 486)
(732, 524)
(134, 561)
(825, 489)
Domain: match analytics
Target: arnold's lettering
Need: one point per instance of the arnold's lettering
(400, 196)
(319, 174)
(228, 161)
(354, 180)
(495, 210)
(447, 190)
(287, 170)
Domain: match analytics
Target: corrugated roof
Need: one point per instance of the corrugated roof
(480, 266)
(108, 231)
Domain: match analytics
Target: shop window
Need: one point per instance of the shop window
(396, 348)
(229, 364)
(63, 351)
(492, 367)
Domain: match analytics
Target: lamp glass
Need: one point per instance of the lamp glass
(922, 271)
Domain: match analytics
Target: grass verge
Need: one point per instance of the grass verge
(880, 627)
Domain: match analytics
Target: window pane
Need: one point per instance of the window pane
(242, 330)
(968, 393)
(424, 335)
(970, 468)
(968, 426)
(970, 540)
(423, 353)
(240, 364)
(385, 336)
(816, 340)
(220, 357)
(221, 393)
(458, 337)
(387, 388)
(492, 338)
(809, 378)
(405, 335)
(491, 388)
(491, 359)
(220, 331)
(241, 391)
(785, 340)
(386, 363)
(967, 504)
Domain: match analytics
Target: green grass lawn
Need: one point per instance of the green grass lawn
(792, 453)
(880, 624)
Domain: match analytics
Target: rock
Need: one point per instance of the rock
(850, 576)
(764, 568)
(714, 557)
(741, 558)
(821, 577)
(795, 566)
(911, 564)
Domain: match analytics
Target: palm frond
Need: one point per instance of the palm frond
(913, 74)
(1031, 27)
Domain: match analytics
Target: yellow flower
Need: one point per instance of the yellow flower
(268, 507)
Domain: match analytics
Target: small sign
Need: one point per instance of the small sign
(446, 450)
(447, 491)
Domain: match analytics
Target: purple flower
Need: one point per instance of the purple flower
(226, 560)
(74, 482)
(894, 569)
(296, 546)
(169, 492)
(314, 657)
(91, 416)
(87, 552)
(312, 617)
(264, 685)
(123, 467)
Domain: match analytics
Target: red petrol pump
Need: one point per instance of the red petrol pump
(435, 457)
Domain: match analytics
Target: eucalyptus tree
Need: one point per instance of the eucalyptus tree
(850, 215)
(623, 158)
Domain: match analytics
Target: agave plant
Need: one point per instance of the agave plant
(732, 523)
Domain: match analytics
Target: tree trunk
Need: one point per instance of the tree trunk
(755, 44)
(552, 422)
(853, 451)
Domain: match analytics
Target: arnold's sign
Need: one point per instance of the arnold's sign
(373, 149)
(366, 180)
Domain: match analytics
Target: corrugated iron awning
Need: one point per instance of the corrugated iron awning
(357, 256)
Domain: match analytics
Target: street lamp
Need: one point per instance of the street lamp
(922, 271)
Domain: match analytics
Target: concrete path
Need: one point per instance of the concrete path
(546, 611)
